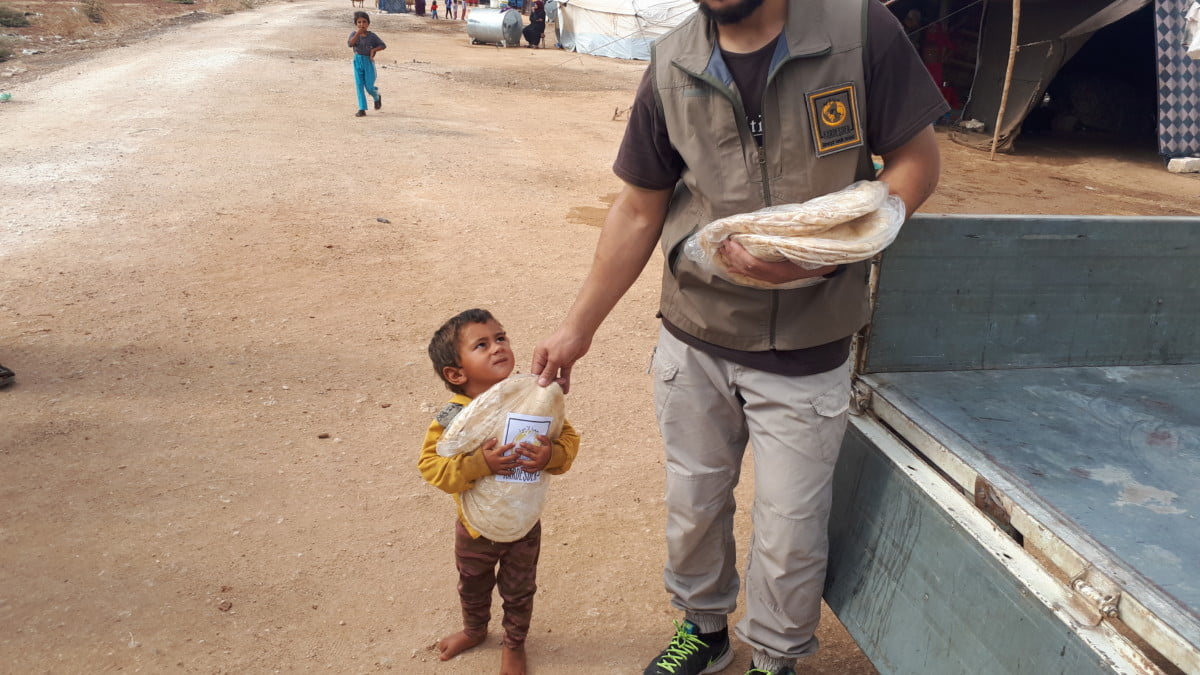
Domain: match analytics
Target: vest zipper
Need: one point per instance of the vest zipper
(740, 117)
(773, 321)
(762, 169)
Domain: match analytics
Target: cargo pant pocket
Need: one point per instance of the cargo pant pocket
(663, 370)
(831, 408)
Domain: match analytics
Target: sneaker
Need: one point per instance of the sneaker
(692, 653)
(379, 102)
(755, 670)
(361, 113)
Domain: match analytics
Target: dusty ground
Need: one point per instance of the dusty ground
(217, 289)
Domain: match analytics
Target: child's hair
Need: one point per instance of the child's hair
(443, 348)
(362, 15)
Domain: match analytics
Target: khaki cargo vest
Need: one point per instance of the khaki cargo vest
(817, 67)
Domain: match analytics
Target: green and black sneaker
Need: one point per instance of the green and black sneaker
(692, 652)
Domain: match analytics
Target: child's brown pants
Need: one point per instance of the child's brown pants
(477, 560)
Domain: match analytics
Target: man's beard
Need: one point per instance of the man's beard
(732, 14)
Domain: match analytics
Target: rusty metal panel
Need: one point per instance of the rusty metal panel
(1100, 461)
(928, 585)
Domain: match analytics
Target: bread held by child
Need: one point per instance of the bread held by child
(503, 510)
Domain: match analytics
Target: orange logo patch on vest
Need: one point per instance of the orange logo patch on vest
(833, 115)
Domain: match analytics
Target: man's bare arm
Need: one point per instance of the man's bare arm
(631, 231)
(912, 170)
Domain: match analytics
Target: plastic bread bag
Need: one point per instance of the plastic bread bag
(846, 226)
(516, 409)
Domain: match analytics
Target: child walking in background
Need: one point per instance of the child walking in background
(471, 352)
(433, 8)
(365, 45)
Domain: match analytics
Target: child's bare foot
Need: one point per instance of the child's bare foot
(453, 645)
(512, 660)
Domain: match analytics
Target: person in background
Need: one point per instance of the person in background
(433, 9)
(936, 49)
(934, 44)
(537, 24)
(365, 45)
(912, 28)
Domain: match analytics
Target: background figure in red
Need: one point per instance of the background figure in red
(934, 45)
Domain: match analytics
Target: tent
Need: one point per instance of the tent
(622, 29)
(1051, 34)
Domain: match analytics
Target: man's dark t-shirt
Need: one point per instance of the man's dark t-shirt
(749, 72)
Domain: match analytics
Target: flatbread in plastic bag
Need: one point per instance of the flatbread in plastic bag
(842, 227)
(503, 510)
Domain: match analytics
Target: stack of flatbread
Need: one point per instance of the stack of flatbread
(842, 227)
(497, 509)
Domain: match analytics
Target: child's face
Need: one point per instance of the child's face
(361, 23)
(484, 355)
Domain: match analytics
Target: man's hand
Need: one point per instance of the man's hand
(554, 357)
(497, 461)
(534, 458)
(740, 261)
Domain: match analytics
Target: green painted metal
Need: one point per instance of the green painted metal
(921, 596)
(1026, 352)
(981, 292)
(1104, 458)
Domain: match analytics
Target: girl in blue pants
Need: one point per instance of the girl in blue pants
(365, 45)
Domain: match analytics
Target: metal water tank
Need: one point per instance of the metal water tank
(494, 26)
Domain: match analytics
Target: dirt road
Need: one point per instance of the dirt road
(216, 289)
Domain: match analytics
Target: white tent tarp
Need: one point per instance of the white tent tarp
(622, 29)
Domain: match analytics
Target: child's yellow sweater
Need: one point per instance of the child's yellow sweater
(459, 473)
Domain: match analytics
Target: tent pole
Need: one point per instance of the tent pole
(1008, 73)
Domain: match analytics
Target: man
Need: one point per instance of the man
(746, 104)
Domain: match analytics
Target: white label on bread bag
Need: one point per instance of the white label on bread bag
(524, 429)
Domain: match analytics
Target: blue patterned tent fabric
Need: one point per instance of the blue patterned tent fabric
(1178, 83)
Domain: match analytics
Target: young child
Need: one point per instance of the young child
(365, 45)
(471, 352)
(433, 8)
